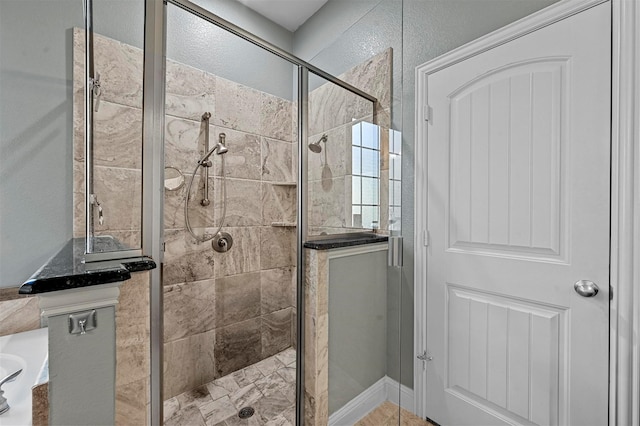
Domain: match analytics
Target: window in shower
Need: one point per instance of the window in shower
(395, 179)
(365, 181)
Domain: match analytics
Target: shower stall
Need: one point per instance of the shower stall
(258, 189)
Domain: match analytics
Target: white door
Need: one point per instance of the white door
(518, 211)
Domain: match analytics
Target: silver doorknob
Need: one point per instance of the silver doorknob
(586, 288)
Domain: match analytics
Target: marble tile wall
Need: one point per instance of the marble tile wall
(223, 311)
(226, 311)
(117, 138)
(117, 181)
(333, 111)
(18, 313)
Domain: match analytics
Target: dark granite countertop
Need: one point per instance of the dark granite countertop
(345, 240)
(67, 270)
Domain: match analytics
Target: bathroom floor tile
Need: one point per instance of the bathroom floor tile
(386, 414)
(268, 386)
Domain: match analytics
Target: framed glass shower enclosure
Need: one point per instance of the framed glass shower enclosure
(367, 217)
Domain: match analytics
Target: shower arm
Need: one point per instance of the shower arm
(205, 162)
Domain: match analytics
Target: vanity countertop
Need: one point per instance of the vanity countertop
(67, 269)
(345, 240)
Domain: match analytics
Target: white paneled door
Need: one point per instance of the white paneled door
(518, 212)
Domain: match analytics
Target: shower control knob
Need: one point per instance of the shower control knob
(586, 288)
(222, 242)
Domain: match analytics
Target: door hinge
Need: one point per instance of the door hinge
(425, 238)
(610, 292)
(428, 113)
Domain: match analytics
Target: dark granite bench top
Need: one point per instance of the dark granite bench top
(345, 240)
(67, 269)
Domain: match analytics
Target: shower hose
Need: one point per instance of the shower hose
(205, 236)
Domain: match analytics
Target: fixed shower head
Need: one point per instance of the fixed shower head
(220, 146)
(315, 146)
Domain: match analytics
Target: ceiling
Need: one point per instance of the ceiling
(289, 14)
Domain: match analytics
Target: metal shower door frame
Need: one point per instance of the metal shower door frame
(155, 32)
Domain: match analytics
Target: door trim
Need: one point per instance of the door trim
(624, 387)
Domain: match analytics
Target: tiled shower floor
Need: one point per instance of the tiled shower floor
(268, 386)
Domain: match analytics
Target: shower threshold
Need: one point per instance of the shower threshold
(267, 386)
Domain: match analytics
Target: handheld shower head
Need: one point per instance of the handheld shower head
(315, 146)
(220, 147)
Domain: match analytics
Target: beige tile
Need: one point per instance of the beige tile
(243, 202)
(190, 92)
(275, 383)
(198, 397)
(170, 408)
(327, 203)
(245, 254)
(132, 351)
(130, 407)
(188, 363)
(189, 416)
(278, 203)
(243, 159)
(19, 315)
(247, 375)
(117, 138)
(188, 309)
(40, 405)
(287, 357)
(271, 406)
(276, 332)
(218, 411)
(245, 396)
(185, 259)
(222, 386)
(288, 374)
(237, 298)
(335, 155)
(374, 76)
(269, 365)
(276, 289)
(199, 216)
(120, 68)
(237, 346)
(240, 109)
(184, 143)
(310, 364)
(120, 194)
(276, 247)
(276, 160)
(275, 117)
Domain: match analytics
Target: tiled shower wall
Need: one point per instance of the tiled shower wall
(333, 111)
(117, 174)
(225, 311)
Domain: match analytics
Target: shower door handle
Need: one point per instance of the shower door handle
(395, 252)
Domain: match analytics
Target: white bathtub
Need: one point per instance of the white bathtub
(28, 351)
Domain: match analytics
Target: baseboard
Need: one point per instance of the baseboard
(406, 394)
(385, 389)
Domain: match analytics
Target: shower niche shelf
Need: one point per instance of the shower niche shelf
(284, 224)
(284, 183)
